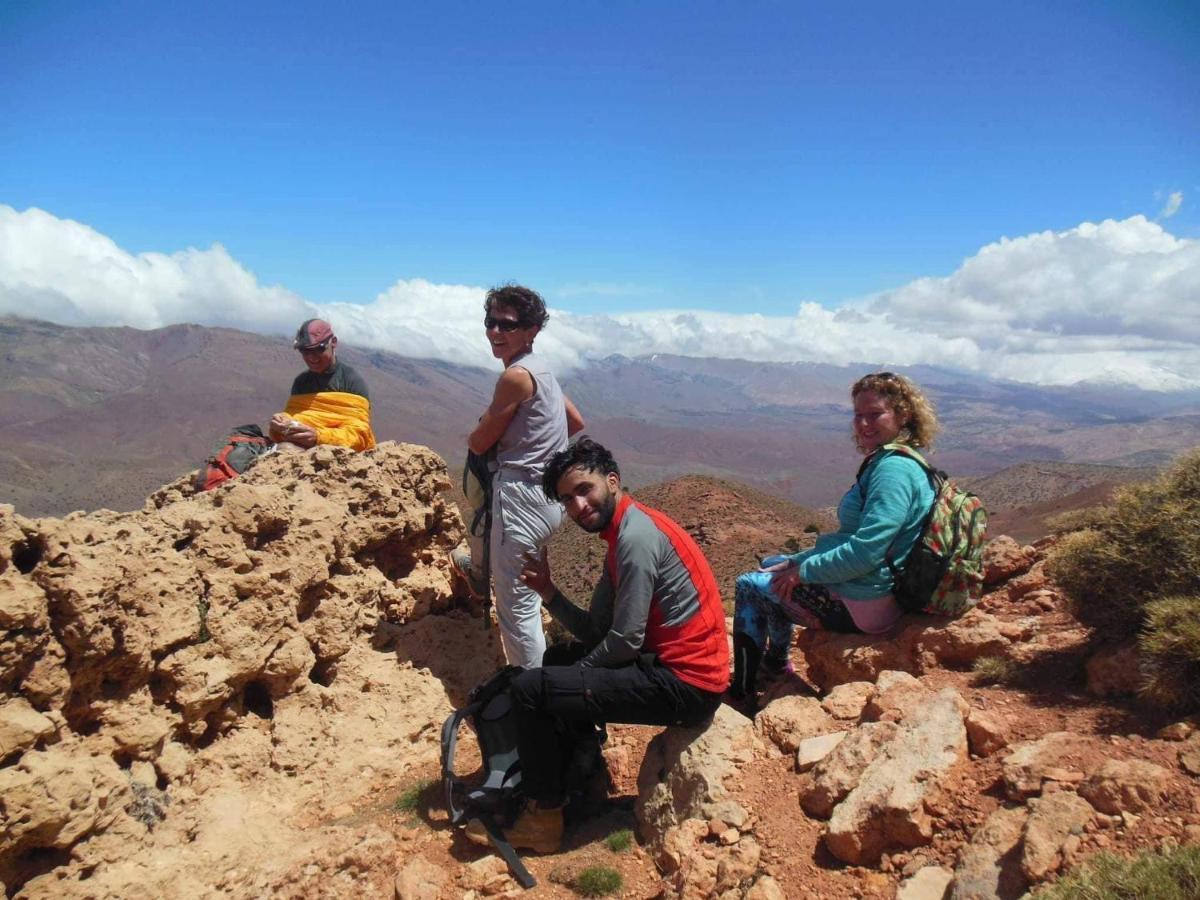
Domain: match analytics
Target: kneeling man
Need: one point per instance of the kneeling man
(652, 649)
(329, 402)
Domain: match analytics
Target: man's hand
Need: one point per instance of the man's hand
(301, 435)
(277, 428)
(536, 575)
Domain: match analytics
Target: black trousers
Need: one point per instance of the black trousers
(560, 703)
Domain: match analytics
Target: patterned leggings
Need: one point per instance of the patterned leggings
(769, 622)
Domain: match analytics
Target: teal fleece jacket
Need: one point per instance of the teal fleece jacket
(896, 496)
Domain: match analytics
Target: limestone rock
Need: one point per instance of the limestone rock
(420, 880)
(1114, 672)
(1052, 819)
(846, 701)
(837, 774)
(1026, 768)
(1004, 558)
(929, 883)
(684, 772)
(789, 720)
(1126, 785)
(1033, 580)
(896, 696)
(963, 640)
(1189, 755)
(814, 749)
(21, 726)
(989, 867)
(488, 875)
(135, 634)
(986, 732)
(53, 798)
(765, 888)
(887, 806)
(834, 658)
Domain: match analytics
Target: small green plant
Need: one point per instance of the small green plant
(995, 670)
(598, 881)
(202, 608)
(792, 545)
(409, 801)
(619, 841)
(812, 528)
(1174, 875)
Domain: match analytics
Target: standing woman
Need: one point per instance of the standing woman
(843, 583)
(528, 421)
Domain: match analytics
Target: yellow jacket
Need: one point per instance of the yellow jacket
(337, 417)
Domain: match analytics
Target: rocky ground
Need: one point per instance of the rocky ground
(239, 694)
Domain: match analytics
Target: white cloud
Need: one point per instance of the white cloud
(1112, 302)
(1174, 201)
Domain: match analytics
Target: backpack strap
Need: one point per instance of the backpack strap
(507, 853)
(936, 479)
(449, 742)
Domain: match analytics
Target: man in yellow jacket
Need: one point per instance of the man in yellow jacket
(329, 402)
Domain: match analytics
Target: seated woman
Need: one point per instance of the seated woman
(843, 583)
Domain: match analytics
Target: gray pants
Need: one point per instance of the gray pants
(522, 522)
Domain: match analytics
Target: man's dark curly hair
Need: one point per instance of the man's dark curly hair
(525, 302)
(583, 454)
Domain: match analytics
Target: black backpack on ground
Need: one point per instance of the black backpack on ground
(497, 800)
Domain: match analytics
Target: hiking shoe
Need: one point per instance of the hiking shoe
(536, 829)
(460, 565)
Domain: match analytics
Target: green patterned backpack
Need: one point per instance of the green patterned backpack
(943, 575)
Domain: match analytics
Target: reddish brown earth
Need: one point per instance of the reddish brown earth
(255, 744)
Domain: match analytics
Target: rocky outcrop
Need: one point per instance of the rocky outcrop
(1004, 558)
(918, 644)
(134, 639)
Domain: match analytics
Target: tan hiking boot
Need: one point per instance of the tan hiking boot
(536, 829)
(460, 564)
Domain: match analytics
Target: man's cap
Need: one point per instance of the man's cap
(312, 333)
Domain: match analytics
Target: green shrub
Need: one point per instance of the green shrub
(1168, 876)
(597, 881)
(995, 670)
(1076, 519)
(619, 840)
(1145, 546)
(1169, 647)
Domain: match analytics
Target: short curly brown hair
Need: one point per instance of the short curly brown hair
(525, 302)
(910, 405)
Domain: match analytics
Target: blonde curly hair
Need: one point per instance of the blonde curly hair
(909, 404)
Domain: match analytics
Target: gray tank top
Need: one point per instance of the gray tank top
(538, 429)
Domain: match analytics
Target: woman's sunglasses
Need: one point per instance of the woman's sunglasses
(505, 325)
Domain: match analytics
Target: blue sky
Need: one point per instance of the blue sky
(666, 154)
(624, 158)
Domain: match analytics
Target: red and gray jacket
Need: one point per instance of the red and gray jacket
(657, 595)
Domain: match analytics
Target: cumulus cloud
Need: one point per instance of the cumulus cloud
(1113, 302)
(1174, 201)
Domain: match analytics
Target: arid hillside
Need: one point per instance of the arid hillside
(99, 417)
(239, 694)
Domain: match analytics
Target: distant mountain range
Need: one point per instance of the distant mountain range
(99, 417)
